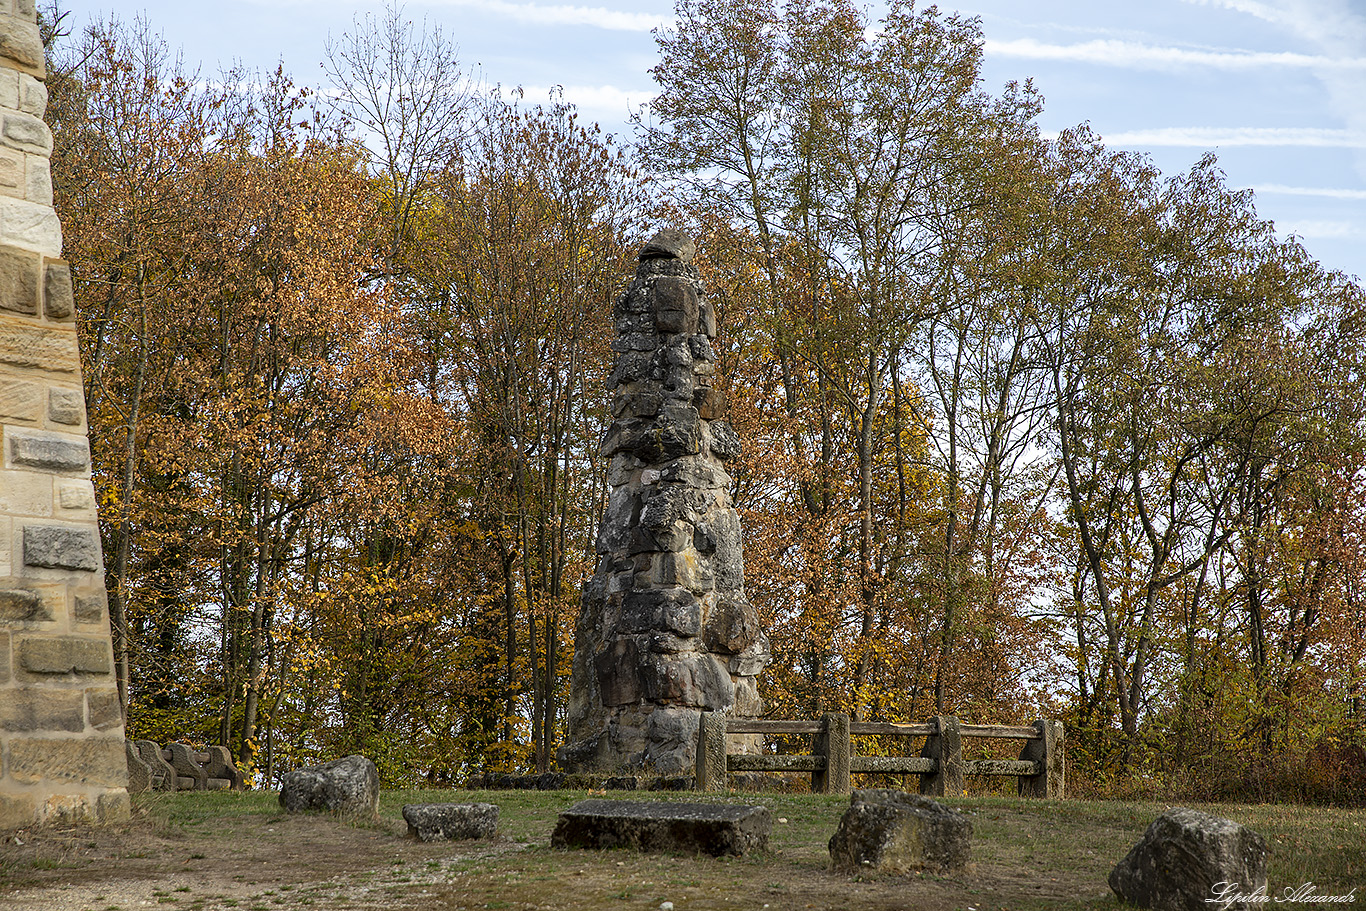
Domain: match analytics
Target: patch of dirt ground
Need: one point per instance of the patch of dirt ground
(318, 862)
(313, 861)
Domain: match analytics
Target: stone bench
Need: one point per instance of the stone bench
(691, 828)
(179, 767)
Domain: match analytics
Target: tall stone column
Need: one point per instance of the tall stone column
(665, 631)
(61, 728)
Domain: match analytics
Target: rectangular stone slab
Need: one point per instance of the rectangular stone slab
(690, 828)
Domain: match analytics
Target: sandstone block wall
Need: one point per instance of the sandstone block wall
(61, 727)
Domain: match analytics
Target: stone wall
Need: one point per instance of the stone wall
(61, 728)
(665, 631)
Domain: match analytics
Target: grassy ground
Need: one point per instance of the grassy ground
(239, 851)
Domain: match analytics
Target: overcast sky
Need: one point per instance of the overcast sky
(1277, 88)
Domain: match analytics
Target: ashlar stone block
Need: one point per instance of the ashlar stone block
(48, 451)
(25, 132)
(1185, 857)
(675, 610)
(66, 406)
(32, 95)
(25, 493)
(20, 400)
(59, 300)
(701, 828)
(9, 88)
(20, 43)
(28, 709)
(103, 709)
(53, 655)
(20, 271)
(31, 225)
(37, 179)
(90, 608)
(61, 547)
(696, 680)
(17, 811)
(19, 605)
(90, 761)
(76, 495)
(13, 173)
(24, 343)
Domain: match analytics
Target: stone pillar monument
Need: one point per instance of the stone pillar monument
(61, 728)
(665, 631)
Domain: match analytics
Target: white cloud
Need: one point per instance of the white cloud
(1322, 21)
(530, 13)
(1338, 28)
(1328, 230)
(540, 14)
(1324, 192)
(1210, 137)
(1141, 56)
(601, 102)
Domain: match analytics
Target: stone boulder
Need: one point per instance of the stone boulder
(894, 832)
(1184, 855)
(348, 786)
(690, 828)
(435, 821)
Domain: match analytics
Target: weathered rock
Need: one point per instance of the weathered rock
(701, 828)
(348, 786)
(434, 821)
(670, 243)
(58, 299)
(66, 406)
(62, 655)
(664, 623)
(45, 451)
(1184, 855)
(895, 832)
(20, 605)
(61, 547)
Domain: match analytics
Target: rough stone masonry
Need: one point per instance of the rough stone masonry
(665, 631)
(61, 728)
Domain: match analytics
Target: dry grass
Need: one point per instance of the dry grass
(216, 851)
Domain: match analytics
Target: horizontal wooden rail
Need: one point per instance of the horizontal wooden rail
(1016, 767)
(1040, 769)
(759, 726)
(887, 728)
(774, 762)
(1002, 731)
(892, 765)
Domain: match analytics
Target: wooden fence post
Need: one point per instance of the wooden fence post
(711, 752)
(945, 747)
(834, 744)
(1047, 751)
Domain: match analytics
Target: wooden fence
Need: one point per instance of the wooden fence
(940, 765)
